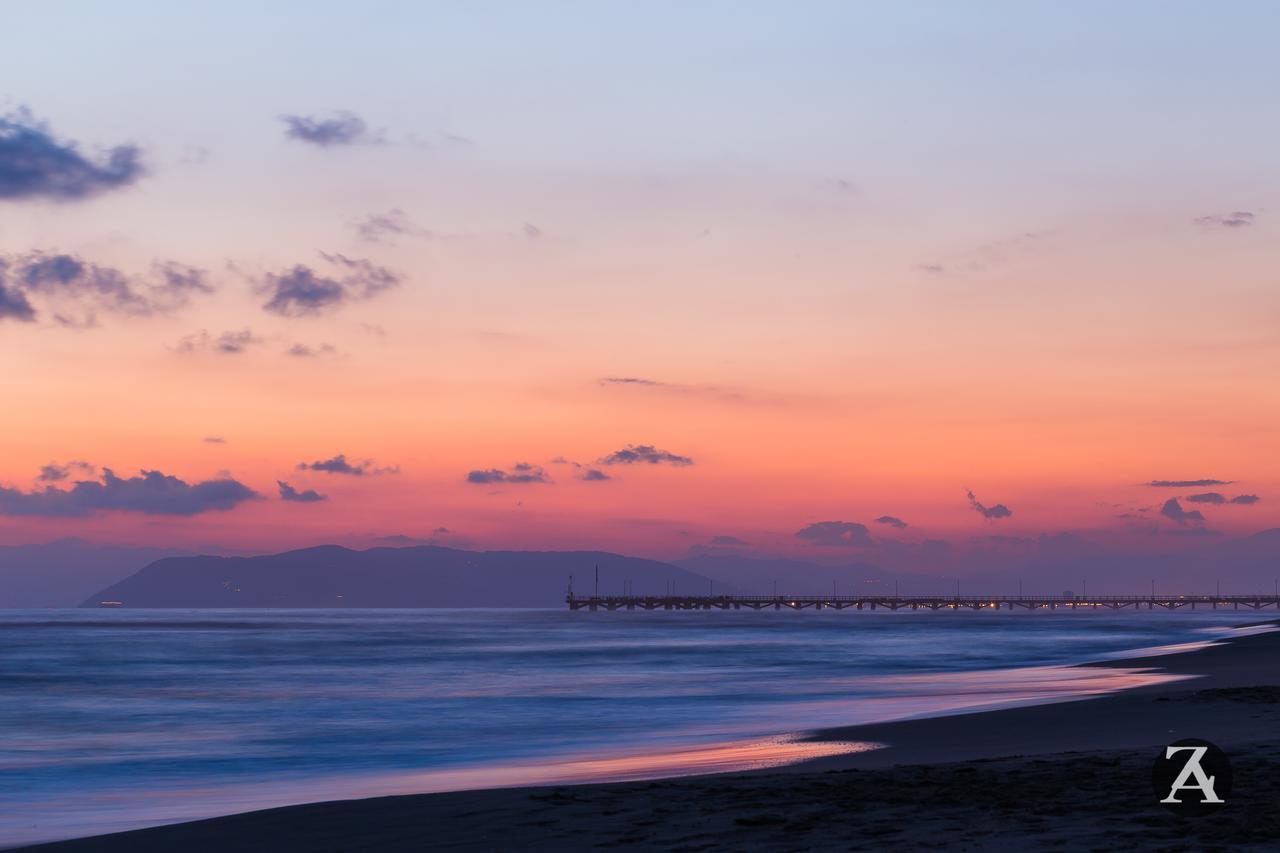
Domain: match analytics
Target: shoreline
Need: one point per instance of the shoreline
(1228, 696)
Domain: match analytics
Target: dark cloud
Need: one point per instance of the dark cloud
(993, 512)
(1235, 219)
(66, 279)
(302, 292)
(594, 475)
(891, 521)
(214, 439)
(34, 164)
(1173, 510)
(848, 534)
(307, 351)
(533, 232)
(644, 453)
(1219, 498)
(54, 473)
(227, 343)
(521, 472)
(730, 541)
(1188, 484)
(340, 128)
(152, 493)
(306, 496)
(14, 304)
(339, 465)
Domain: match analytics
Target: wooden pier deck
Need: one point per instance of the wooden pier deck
(920, 602)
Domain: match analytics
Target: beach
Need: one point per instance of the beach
(1071, 775)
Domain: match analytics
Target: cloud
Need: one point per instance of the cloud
(307, 351)
(227, 343)
(340, 128)
(992, 512)
(1188, 484)
(152, 493)
(302, 292)
(713, 391)
(339, 465)
(289, 493)
(644, 453)
(847, 534)
(54, 473)
(214, 439)
(1219, 498)
(385, 227)
(533, 232)
(34, 164)
(594, 475)
(63, 279)
(1173, 510)
(891, 521)
(729, 541)
(1235, 219)
(631, 380)
(521, 472)
(14, 304)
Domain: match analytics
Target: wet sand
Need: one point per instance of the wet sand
(1074, 775)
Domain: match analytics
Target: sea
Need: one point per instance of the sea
(118, 719)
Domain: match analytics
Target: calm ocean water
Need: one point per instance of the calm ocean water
(112, 719)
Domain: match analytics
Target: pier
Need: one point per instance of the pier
(921, 602)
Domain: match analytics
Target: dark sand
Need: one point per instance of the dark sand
(1074, 776)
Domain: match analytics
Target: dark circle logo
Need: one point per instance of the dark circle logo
(1192, 777)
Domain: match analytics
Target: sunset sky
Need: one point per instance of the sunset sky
(641, 277)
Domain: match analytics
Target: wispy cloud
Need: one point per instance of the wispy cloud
(36, 165)
(1234, 219)
(309, 351)
(892, 521)
(1188, 484)
(227, 343)
(386, 227)
(675, 388)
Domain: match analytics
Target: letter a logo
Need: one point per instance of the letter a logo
(1192, 777)
(1191, 770)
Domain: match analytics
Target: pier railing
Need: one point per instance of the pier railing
(920, 602)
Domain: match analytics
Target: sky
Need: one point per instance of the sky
(812, 279)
